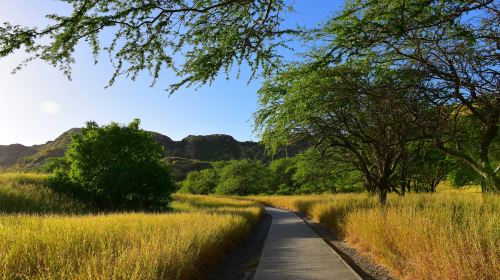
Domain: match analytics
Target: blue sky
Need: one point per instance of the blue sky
(39, 103)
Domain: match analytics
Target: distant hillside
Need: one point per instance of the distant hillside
(55, 148)
(9, 154)
(191, 153)
(213, 147)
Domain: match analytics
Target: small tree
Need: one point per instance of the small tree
(463, 175)
(427, 168)
(116, 167)
(243, 177)
(201, 182)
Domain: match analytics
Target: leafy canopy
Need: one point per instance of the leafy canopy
(356, 113)
(211, 35)
(454, 43)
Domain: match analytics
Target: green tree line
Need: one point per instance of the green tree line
(310, 172)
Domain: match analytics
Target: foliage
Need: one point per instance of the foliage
(425, 167)
(212, 36)
(319, 174)
(352, 112)
(54, 163)
(181, 245)
(282, 171)
(201, 182)
(307, 172)
(467, 139)
(115, 167)
(243, 177)
(455, 45)
(463, 175)
(418, 236)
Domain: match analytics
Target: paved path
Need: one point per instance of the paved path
(292, 250)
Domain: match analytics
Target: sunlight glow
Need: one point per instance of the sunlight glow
(50, 107)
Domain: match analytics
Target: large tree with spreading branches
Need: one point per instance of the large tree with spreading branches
(354, 112)
(456, 44)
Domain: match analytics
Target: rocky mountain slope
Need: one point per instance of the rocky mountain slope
(191, 153)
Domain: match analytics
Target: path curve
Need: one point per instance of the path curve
(292, 250)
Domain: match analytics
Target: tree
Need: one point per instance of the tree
(243, 177)
(320, 173)
(212, 36)
(282, 171)
(455, 43)
(427, 168)
(463, 175)
(201, 182)
(116, 167)
(354, 112)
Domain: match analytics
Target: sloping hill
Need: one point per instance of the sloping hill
(51, 149)
(9, 154)
(191, 153)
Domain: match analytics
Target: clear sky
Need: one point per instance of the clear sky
(39, 103)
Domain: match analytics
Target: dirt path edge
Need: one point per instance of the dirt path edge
(241, 263)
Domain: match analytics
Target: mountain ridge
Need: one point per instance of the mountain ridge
(193, 150)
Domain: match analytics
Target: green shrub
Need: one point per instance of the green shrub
(463, 175)
(115, 167)
(243, 177)
(200, 182)
(282, 171)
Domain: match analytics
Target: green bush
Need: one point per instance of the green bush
(200, 182)
(115, 167)
(282, 171)
(243, 177)
(463, 175)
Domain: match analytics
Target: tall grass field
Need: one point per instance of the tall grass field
(28, 193)
(419, 236)
(50, 241)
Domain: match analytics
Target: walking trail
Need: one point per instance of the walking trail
(292, 250)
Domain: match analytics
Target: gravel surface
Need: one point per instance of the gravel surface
(242, 262)
(365, 267)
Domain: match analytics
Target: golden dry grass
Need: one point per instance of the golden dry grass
(183, 244)
(420, 236)
(446, 187)
(28, 193)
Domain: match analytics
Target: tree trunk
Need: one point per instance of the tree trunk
(382, 195)
(490, 181)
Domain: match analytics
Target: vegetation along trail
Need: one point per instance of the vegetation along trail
(294, 251)
(419, 236)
